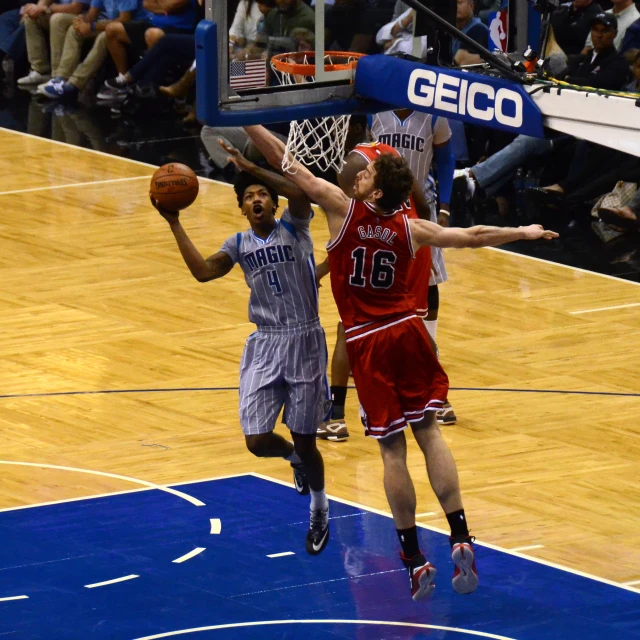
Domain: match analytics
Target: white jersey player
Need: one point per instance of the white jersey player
(422, 138)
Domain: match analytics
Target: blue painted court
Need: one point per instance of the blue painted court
(105, 568)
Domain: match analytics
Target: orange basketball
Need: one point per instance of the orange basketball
(175, 186)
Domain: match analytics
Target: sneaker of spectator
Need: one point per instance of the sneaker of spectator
(39, 21)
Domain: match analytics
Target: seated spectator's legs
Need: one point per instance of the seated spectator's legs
(496, 171)
(153, 66)
(123, 40)
(601, 175)
(12, 39)
(65, 44)
(90, 66)
(71, 53)
(37, 46)
(152, 37)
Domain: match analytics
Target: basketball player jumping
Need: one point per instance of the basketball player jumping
(285, 361)
(399, 380)
(419, 138)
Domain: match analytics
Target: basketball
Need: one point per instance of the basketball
(175, 186)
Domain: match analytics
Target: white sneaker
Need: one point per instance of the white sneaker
(470, 185)
(33, 77)
(49, 83)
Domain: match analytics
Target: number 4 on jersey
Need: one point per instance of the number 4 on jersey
(382, 269)
(274, 282)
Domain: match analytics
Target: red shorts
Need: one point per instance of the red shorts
(397, 375)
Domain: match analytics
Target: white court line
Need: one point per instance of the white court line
(216, 525)
(529, 548)
(14, 598)
(72, 184)
(564, 266)
(104, 474)
(630, 584)
(226, 184)
(281, 555)
(106, 582)
(426, 514)
(494, 547)
(262, 623)
(116, 493)
(188, 556)
(618, 306)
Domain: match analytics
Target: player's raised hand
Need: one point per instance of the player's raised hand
(169, 216)
(538, 232)
(241, 163)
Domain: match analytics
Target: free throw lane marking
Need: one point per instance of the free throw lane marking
(188, 556)
(106, 582)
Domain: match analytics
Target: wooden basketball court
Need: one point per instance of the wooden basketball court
(115, 361)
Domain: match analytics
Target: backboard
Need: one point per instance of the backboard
(238, 85)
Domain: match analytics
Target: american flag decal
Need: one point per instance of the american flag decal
(247, 74)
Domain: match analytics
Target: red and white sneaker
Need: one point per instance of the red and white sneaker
(421, 576)
(465, 576)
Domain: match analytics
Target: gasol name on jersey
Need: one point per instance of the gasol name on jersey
(272, 254)
(378, 232)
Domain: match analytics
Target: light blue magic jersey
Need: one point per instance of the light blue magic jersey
(280, 271)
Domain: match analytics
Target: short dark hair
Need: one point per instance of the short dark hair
(244, 180)
(394, 178)
(359, 119)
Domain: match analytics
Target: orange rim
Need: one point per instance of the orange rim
(287, 63)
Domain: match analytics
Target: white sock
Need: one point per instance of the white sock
(294, 458)
(319, 500)
(432, 327)
(193, 66)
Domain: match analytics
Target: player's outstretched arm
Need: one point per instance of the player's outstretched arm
(215, 266)
(428, 233)
(331, 198)
(299, 203)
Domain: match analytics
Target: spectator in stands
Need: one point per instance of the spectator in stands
(353, 24)
(487, 7)
(38, 20)
(247, 23)
(626, 14)
(127, 42)
(472, 27)
(634, 85)
(287, 16)
(604, 68)
(13, 44)
(397, 36)
(70, 76)
(571, 24)
(631, 38)
(593, 171)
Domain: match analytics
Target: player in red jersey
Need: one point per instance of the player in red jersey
(397, 375)
(415, 207)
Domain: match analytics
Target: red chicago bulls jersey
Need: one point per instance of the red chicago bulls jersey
(370, 263)
(421, 269)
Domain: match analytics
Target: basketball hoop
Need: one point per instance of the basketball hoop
(318, 141)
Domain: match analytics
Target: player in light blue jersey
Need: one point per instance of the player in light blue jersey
(285, 361)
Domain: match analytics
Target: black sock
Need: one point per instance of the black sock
(339, 396)
(409, 541)
(458, 523)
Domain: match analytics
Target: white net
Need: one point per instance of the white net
(318, 141)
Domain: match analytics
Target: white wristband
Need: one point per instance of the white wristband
(446, 213)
